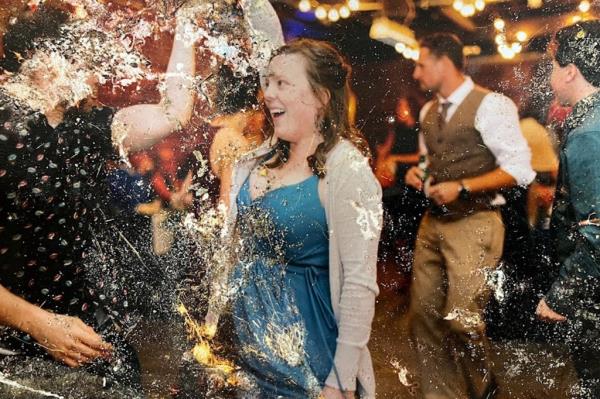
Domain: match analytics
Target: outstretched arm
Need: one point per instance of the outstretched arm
(140, 126)
(65, 338)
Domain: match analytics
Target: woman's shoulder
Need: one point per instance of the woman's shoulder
(346, 155)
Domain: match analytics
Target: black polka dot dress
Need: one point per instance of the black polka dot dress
(53, 203)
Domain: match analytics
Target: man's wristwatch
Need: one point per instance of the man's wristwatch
(463, 192)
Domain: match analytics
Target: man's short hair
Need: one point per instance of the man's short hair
(447, 44)
(579, 44)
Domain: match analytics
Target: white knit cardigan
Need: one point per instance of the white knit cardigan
(352, 200)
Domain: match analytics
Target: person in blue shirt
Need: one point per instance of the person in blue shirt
(574, 297)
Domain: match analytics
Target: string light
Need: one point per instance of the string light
(333, 15)
(329, 12)
(304, 6)
(344, 12)
(354, 5)
(499, 24)
(468, 8)
(584, 6)
(320, 12)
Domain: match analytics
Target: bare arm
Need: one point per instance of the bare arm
(16, 312)
(140, 126)
(227, 146)
(491, 181)
(65, 338)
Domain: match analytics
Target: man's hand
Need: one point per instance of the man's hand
(544, 312)
(69, 340)
(334, 393)
(414, 178)
(444, 193)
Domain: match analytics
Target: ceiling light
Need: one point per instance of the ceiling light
(391, 32)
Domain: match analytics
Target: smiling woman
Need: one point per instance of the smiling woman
(307, 211)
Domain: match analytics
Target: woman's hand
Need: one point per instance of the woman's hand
(183, 198)
(334, 393)
(544, 312)
(68, 339)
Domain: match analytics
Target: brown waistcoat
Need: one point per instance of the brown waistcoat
(456, 151)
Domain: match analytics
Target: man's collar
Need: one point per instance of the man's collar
(581, 110)
(460, 93)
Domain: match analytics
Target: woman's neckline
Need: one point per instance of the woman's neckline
(273, 190)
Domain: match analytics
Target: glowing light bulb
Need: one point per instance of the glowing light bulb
(304, 6)
(400, 47)
(584, 6)
(321, 13)
(499, 24)
(468, 10)
(344, 12)
(521, 36)
(333, 15)
(480, 5)
(506, 52)
(458, 5)
(354, 5)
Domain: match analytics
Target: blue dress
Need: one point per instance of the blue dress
(285, 327)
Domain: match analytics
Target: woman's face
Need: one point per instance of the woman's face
(291, 100)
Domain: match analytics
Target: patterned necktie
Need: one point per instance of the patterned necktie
(443, 113)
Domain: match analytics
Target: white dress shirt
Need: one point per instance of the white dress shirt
(497, 120)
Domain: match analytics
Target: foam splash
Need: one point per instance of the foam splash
(14, 384)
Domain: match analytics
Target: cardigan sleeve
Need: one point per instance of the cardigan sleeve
(357, 227)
